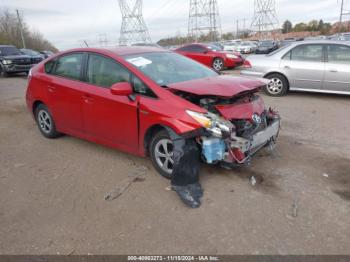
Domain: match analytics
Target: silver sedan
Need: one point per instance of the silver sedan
(313, 66)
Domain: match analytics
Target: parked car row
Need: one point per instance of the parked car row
(13, 60)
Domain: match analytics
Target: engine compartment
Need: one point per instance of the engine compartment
(236, 122)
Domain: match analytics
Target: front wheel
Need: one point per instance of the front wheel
(278, 85)
(218, 64)
(161, 152)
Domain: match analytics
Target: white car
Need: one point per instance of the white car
(246, 47)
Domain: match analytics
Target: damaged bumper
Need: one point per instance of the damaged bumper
(237, 149)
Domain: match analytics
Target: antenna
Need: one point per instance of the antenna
(204, 19)
(133, 28)
(265, 16)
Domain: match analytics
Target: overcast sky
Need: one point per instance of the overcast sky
(67, 22)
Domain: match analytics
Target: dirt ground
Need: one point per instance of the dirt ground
(52, 191)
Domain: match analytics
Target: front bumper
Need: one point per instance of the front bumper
(237, 150)
(13, 68)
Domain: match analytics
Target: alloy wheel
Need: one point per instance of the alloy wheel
(275, 86)
(163, 152)
(45, 122)
(218, 64)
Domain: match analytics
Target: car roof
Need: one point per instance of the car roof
(7, 46)
(124, 50)
(320, 42)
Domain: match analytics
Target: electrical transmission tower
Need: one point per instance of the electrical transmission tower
(343, 13)
(204, 19)
(133, 28)
(265, 16)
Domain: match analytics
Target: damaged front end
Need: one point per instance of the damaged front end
(235, 127)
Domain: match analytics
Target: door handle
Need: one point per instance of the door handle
(88, 99)
(51, 88)
(287, 67)
(333, 70)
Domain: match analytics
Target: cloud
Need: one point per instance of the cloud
(65, 23)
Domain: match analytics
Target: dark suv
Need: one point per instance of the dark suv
(13, 61)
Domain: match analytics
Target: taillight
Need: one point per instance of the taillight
(247, 64)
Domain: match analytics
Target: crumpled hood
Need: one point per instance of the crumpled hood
(223, 85)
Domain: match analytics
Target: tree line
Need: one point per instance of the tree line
(10, 33)
(312, 26)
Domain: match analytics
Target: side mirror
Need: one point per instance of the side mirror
(122, 89)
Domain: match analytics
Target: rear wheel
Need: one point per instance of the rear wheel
(161, 152)
(45, 122)
(218, 64)
(278, 85)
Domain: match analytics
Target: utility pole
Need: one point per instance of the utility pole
(343, 13)
(204, 19)
(21, 28)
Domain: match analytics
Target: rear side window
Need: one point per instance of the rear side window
(69, 66)
(308, 53)
(105, 72)
(338, 54)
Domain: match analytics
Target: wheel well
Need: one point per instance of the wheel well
(36, 104)
(278, 73)
(149, 134)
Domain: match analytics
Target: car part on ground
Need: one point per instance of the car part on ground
(144, 99)
(313, 66)
(13, 61)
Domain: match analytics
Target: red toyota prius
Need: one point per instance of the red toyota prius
(150, 101)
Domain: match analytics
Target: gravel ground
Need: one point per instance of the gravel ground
(52, 191)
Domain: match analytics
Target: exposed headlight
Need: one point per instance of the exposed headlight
(200, 118)
(7, 61)
(213, 123)
(231, 56)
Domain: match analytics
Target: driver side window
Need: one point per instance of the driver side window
(105, 72)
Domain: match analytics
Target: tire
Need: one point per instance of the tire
(218, 64)
(157, 148)
(278, 85)
(45, 122)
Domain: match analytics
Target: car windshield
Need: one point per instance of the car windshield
(9, 50)
(214, 47)
(29, 52)
(265, 43)
(278, 50)
(167, 68)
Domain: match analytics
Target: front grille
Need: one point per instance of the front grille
(246, 127)
(21, 61)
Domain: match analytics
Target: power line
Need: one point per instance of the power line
(265, 16)
(204, 19)
(133, 28)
